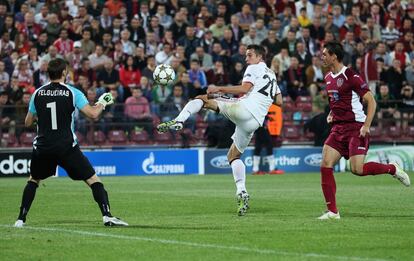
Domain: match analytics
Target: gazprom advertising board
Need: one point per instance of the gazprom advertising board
(142, 162)
(288, 159)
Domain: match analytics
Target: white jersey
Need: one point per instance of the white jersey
(258, 100)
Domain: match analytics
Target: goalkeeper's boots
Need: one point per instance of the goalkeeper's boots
(169, 125)
(329, 215)
(19, 223)
(242, 203)
(113, 221)
(401, 175)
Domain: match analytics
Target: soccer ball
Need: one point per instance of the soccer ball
(164, 74)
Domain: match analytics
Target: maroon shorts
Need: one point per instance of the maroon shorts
(345, 139)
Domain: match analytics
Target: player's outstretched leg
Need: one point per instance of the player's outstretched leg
(29, 193)
(101, 197)
(190, 108)
(358, 167)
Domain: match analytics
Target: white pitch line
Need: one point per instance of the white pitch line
(192, 244)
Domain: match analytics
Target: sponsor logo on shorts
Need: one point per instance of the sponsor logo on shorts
(313, 159)
(149, 167)
(361, 148)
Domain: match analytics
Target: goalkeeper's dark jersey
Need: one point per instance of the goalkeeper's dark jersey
(54, 105)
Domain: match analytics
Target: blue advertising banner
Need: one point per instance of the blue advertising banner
(288, 159)
(142, 162)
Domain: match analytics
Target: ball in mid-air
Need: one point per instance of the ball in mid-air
(164, 74)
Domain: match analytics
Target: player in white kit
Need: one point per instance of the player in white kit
(259, 89)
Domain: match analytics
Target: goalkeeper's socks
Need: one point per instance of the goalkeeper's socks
(190, 108)
(29, 193)
(101, 197)
(374, 168)
(329, 188)
(239, 174)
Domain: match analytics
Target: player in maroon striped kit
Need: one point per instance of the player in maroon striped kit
(349, 137)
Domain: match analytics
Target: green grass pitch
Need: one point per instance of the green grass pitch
(194, 218)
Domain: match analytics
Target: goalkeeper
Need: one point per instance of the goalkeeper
(52, 106)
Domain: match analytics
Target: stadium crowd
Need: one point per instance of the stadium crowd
(115, 46)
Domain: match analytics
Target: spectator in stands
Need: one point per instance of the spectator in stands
(228, 43)
(236, 28)
(7, 114)
(9, 26)
(114, 6)
(137, 111)
(96, 31)
(284, 60)
(197, 76)
(400, 55)
(246, 18)
(395, 78)
(409, 74)
(159, 95)
(51, 54)
(303, 19)
(94, 8)
(218, 75)
(165, 19)
(22, 106)
(310, 44)
(407, 105)
(205, 59)
(165, 55)
(42, 44)
(289, 43)
(296, 79)
(218, 27)
(53, 27)
(4, 77)
(98, 58)
(146, 88)
(349, 26)
(387, 107)
(178, 27)
(178, 67)
(156, 28)
(374, 30)
(129, 76)
(189, 41)
(303, 56)
(390, 34)
(293, 26)
(40, 76)
(86, 71)
(88, 46)
(108, 79)
(24, 75)
(149, 69)
(128, 47)
(137, 31)
(75, 57)
(314, 75)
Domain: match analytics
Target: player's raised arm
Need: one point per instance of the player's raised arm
(278, 101)
(237, 89)
(95, 111)
(368, 99)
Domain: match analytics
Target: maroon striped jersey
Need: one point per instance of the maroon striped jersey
(345, 90)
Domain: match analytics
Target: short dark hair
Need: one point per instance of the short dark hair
(55, 68)
(258, 49)
(335, 47)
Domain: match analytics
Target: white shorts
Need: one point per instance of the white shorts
(246, 124)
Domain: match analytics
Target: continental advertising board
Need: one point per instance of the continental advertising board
(292, 160)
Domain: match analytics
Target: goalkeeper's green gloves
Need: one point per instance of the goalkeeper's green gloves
(105, 99)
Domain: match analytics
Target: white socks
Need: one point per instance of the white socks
(271, 161)
(256, 162)
(239, 175)
(190, 108)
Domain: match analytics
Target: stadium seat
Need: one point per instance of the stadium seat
(81, 139)
(375, 133)
(26, 139)
(410, 131)
(291, 132)
(96, 138)
(201, 125)
(164, 138)
(140, 137)
(117, 137)
(155, 120)
(394, 132)
(304, 99)
(289, 106)
(287, 116)
(304, 106)
(10, 139)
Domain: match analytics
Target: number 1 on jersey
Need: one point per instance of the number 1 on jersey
(52, 106)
